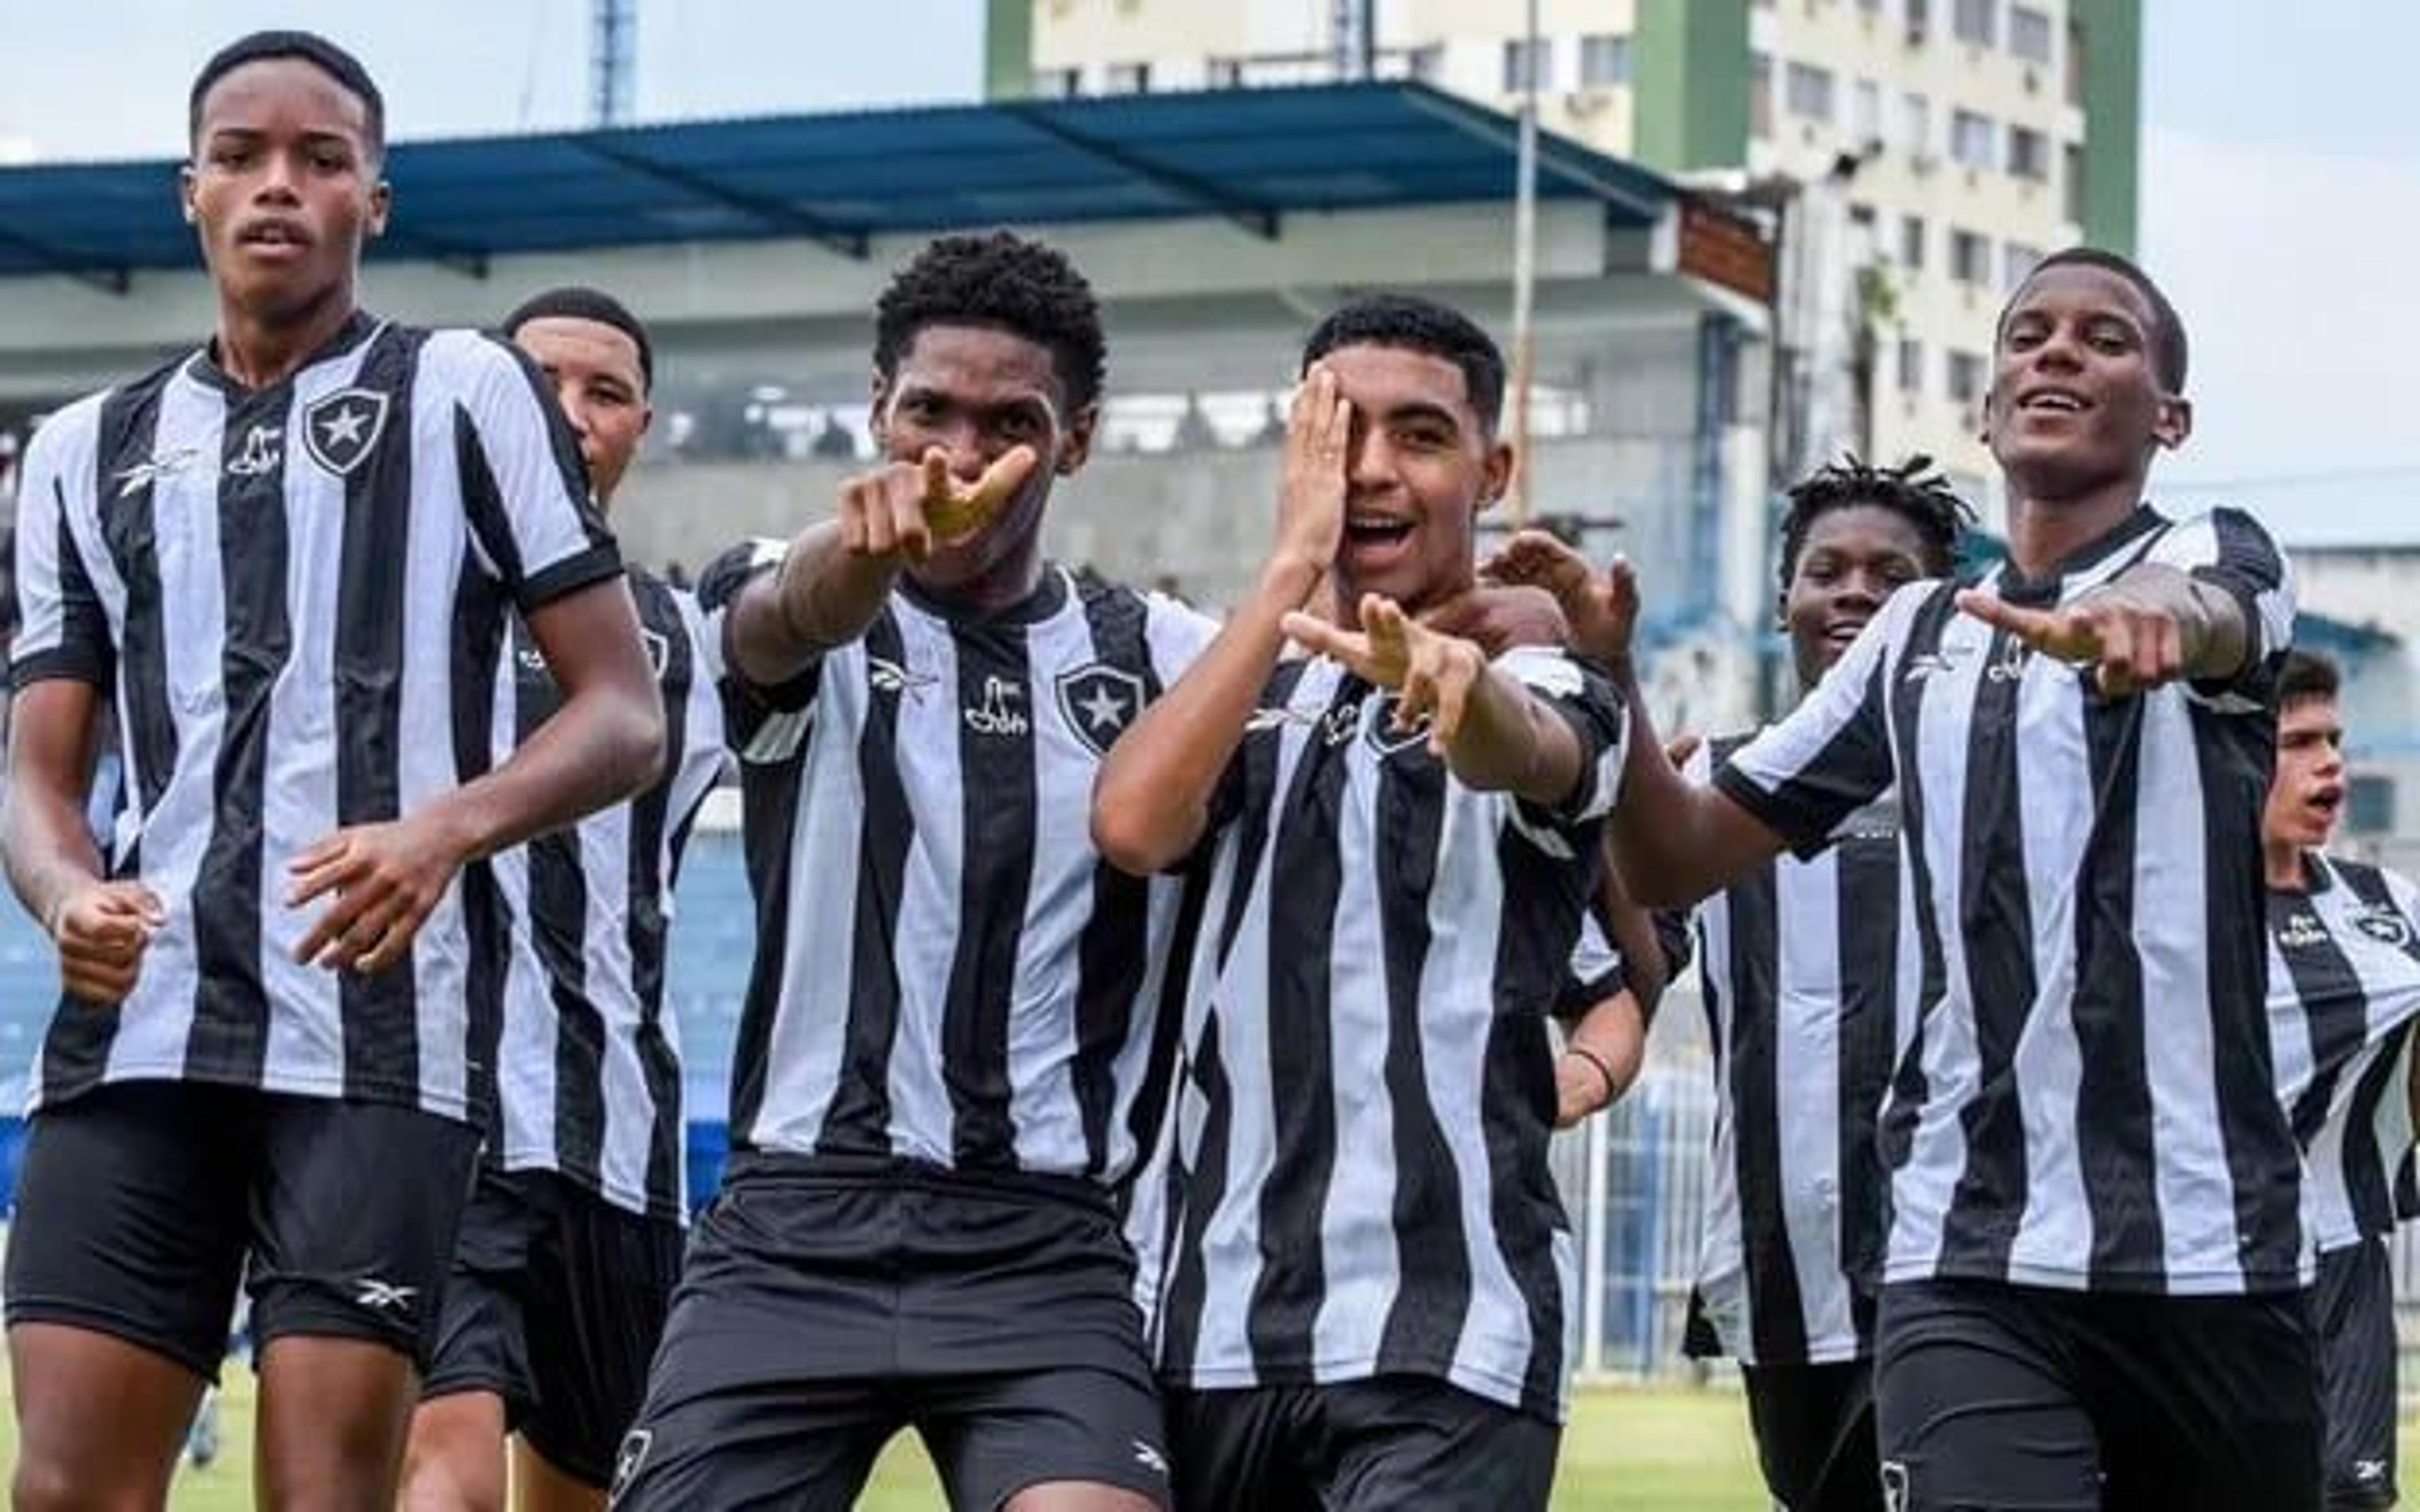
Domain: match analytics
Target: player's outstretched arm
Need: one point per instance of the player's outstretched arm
(99, 927)
(833, 579)
(2148, 626)
(1151, 800)
(605, 743)
(1672, 840)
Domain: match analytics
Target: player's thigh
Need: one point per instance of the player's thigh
(598, 1290)
(1410, 1441)
(1814, 1426)
(2224, 1404)
(808, 1445)
(2353, 1313)
(995, 1436)
(1974, 1405)
(482, 1334)
(1242, 1450)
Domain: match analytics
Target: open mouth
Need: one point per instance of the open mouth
(1375, 529)
(1843, 632)
(2053, 402)
(2327, 802)
(273, 235)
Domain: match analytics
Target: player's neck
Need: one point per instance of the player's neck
(2282, 865)
(258, 351)
(1007, 584)
(2045, 531)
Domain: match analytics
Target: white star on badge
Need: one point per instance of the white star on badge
(1102, 709)
(345, 426)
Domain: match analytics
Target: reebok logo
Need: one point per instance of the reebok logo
(385, 1296)
(1150, 1459)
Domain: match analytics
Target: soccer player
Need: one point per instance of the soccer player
(572, 1242)
(941, 1085)
(2091, 1288)
(2344, 983)
(282, 557)
(1370, 1278)
(1807, 966)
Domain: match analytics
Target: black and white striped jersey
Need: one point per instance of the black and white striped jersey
(1811, 975)
(588, 1067)
(2087, 1102)
(947, 971)
(1370, 1082)
(295, 596)
(2344, 985)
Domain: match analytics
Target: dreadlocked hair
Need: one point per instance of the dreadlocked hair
(1911, 490)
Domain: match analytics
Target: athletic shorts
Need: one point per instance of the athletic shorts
(1358, 1446)
(142, 1207)
(2353, 1313)
(1814, 1426)
(828, 1304)
(555, 1304)
(1993, 1395)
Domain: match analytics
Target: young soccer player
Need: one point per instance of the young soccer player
(942, 1085)
(568, 1252)
(2091, 1288)
(1370, 1277)
(286, 558)
(2344, 983)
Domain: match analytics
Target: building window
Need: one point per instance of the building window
(1970, 257)
(1910, 365)
(2016, 261)
(1426, 63)
(1604, 60)
(2029, 34)
(1915, 119)
(1523, 71)
(1126, 79)
(1970, 138)
(2075, 41)
(1810, 91)
(2076, 183)
(1759, 96)
(2028, 154)
(1965, 377)
(1058, 83)
(1225, 73)
(1911, 242)
(1919, 20)
(1871, 7)
(1866, 112)
(2369, 804)
(1977, 21)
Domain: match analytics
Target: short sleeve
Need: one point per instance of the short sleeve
(2229, 549)
(763, 724)
(1176, 634)
(524, 488)
(1596, 972)
(1831, 756)
(1590, 703)
(64, 631)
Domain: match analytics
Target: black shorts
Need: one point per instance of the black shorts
(1989, 1394)
(555, 1304)
(1358, 1446)
(2353, 1313)
(1814, 1427)
(827, 1305)
(142, 1206)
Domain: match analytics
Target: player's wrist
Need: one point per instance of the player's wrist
(1291, 576)
(1607, 1084)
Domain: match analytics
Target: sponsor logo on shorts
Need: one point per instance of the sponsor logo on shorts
(1150, 1459)
(1894, 1487)
(2369, 1471)
(635, 1446)
(385, 1296)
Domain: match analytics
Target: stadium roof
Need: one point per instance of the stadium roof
(1253, 156)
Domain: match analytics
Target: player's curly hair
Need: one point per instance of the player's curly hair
(998, 279)
(1911, 490)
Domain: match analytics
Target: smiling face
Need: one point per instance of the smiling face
(1420, 464)
(284, 188)
(1852, 559)
(2077, 403)
(2307, 794)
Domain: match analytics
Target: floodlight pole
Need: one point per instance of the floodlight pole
(1524, 274)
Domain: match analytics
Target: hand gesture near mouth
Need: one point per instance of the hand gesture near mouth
(908, 510)
(1311, 490)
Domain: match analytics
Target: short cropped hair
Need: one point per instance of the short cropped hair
(574, 302)
(1414, 324)
(2306, 674)
(2168, 345)
(311, 48)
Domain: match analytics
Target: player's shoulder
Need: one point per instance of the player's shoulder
(721, 581)
(476, 363)
(2224, 532)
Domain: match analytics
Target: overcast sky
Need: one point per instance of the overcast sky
(2280, 177)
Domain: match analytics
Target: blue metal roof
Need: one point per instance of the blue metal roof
(1253, 156)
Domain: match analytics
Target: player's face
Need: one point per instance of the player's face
(1852, 560)
(1418, 468)
(976, 392)
(2308, 791)
(601, 387)
(282, 187)
(2076, 400)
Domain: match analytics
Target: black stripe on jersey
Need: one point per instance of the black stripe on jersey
(1203, 1187)
(83, 651)
(1434, 1292)
(859, 1119)
(1147, 1115)
(647, 930)
(2335, 1014)
(1895, 1133)
(379, 1012)
(230, 1034)
(2115, 1155)
(2237, 756)
(1776, 1309)
(2369, 1179)
(1109, 960)
(483, 502)
(1254, 769)
(1293, 1274)
(1868, 885)
(996, 785)
(478, 641)
(130, 533)
(1995, 919)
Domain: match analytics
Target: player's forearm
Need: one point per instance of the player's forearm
(1614, 1033)
(1632, 930)
(49, 848)
(1660, 835)
(1510, 742)
(820, 597)
(603, 745)
(2211, 627)
(1151, 800)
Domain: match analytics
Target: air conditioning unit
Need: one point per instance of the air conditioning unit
(1915, 32)
(1586, 101)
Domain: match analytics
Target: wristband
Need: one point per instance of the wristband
(1603, 1069)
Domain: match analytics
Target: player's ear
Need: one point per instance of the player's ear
(381, 201)
(2174, 422)
(1496, 471)
(1075, 445)
(878, 415)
